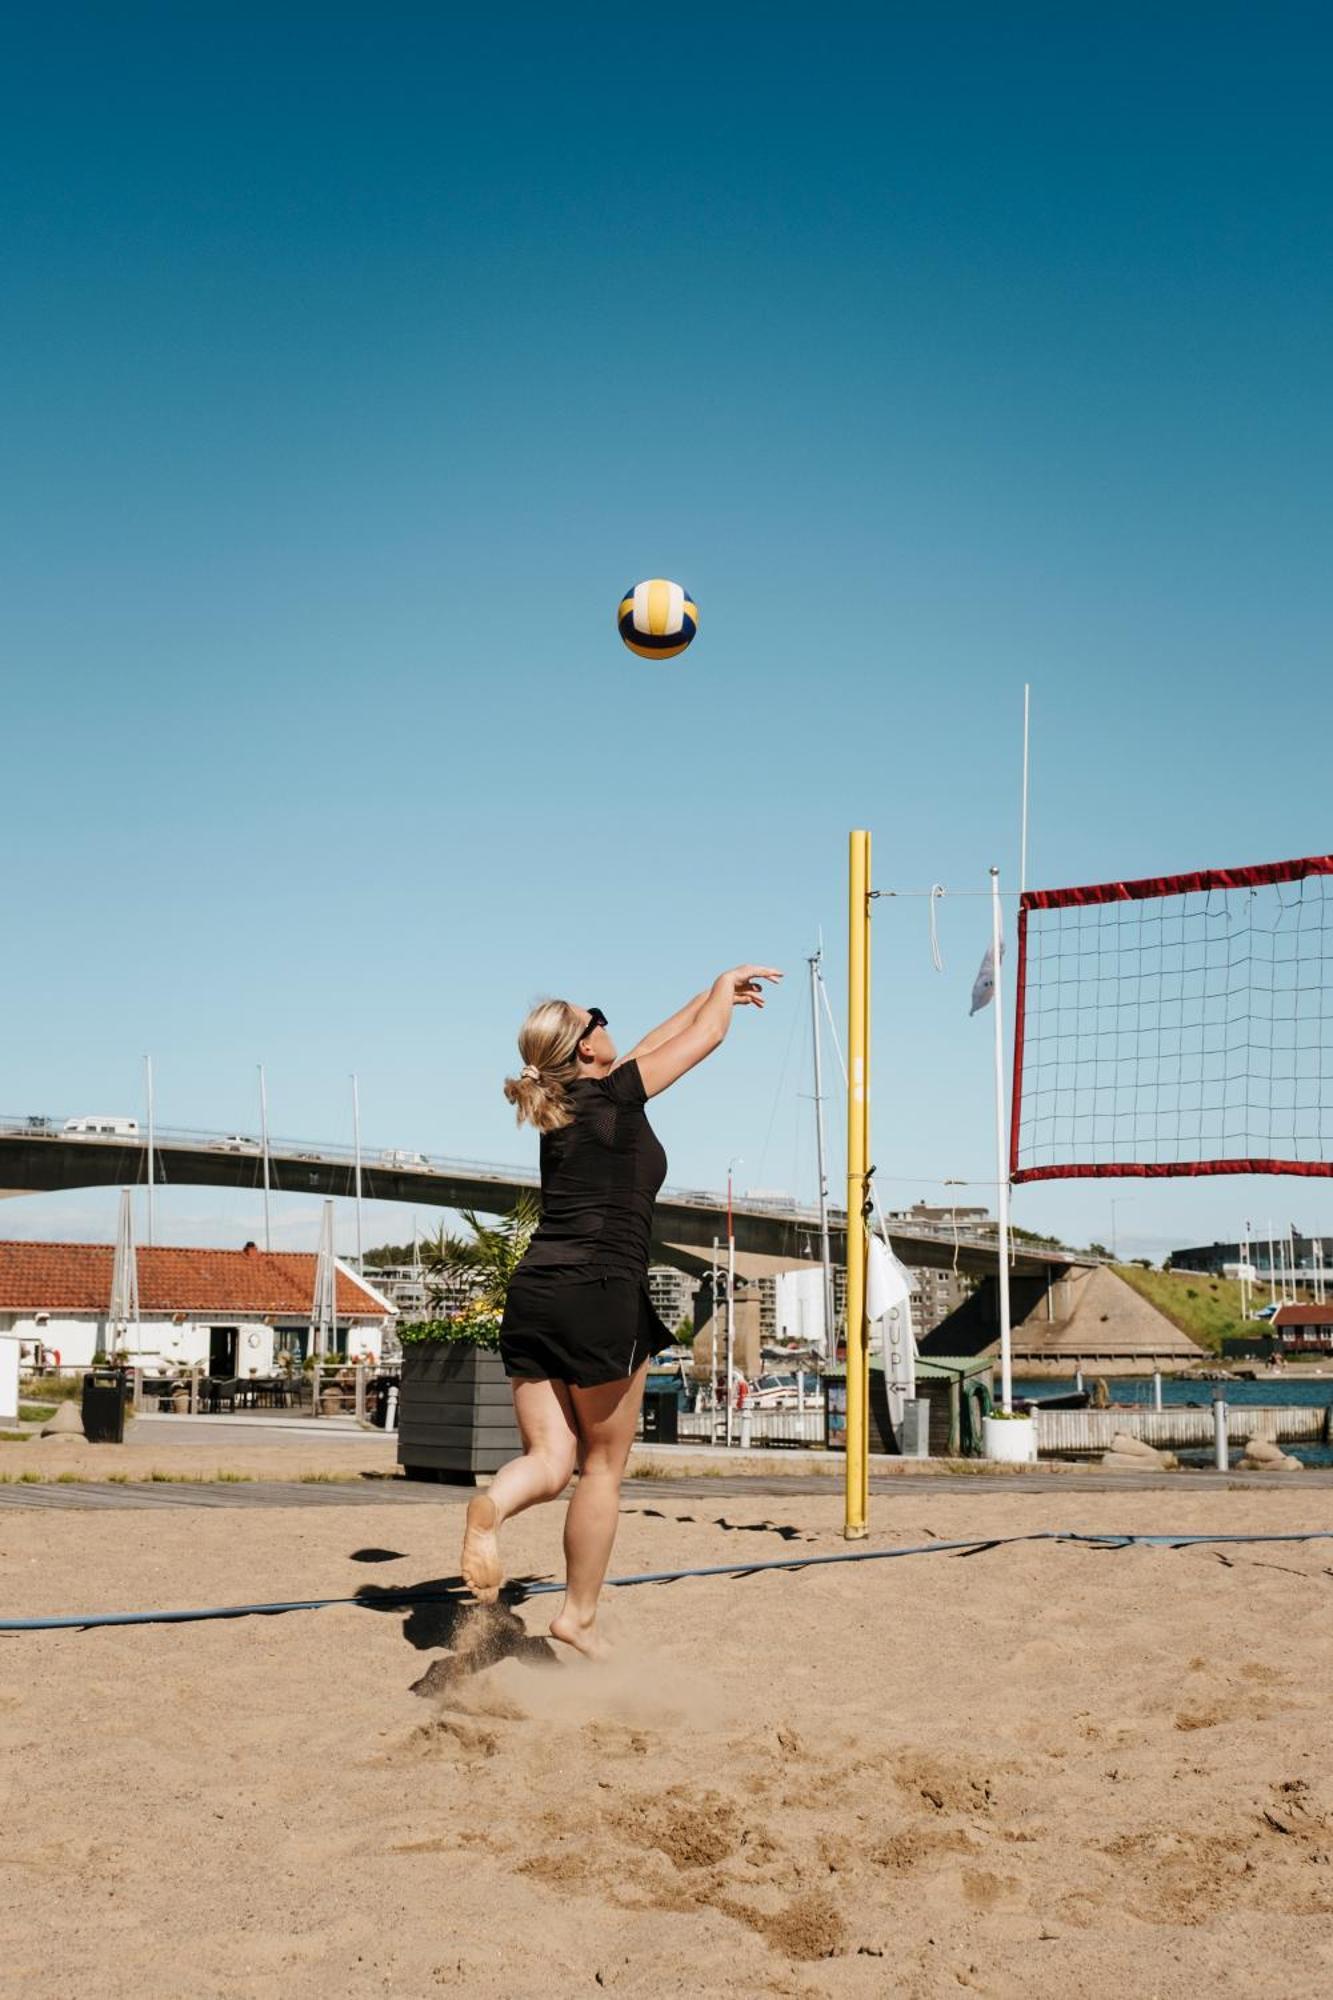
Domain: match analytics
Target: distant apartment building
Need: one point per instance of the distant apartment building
(939, 1292)
(405, 1285)
(672, 1293)
(418, 1294)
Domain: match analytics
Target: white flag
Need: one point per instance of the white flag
(983, 986)
(888, 1283)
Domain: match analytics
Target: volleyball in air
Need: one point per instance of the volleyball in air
(657, 619)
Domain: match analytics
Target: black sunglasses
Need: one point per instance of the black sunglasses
(596, 1019)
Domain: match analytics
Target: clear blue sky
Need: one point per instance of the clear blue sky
(355, 359)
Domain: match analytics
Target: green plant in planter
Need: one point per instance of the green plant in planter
(475, 1326)
(485, 1262)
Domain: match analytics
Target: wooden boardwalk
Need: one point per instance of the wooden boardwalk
(151, 1496)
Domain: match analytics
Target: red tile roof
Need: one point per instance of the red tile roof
(1303, 1316)
(76, 1277)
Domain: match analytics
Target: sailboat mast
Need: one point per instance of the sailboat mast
(824, 1256)
(356, 1134)
(152, 1133)
(263, 1131)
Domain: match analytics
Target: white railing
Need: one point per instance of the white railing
(766, 1427)
(1177, 1426)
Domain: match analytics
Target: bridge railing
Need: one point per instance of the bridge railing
(197, 1138)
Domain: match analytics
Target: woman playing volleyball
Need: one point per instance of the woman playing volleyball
(579, 1329)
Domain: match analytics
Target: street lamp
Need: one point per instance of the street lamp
(1117, 1201)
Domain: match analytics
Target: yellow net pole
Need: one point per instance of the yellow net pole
(858, 1141)
(865, 1200)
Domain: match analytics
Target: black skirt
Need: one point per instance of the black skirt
(587, 1331)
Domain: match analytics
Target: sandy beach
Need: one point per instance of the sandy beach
(1040, 1769)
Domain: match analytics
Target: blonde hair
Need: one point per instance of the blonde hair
(547, 1042)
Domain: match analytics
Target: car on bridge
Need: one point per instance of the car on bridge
(236, 1142)
(396, 1157)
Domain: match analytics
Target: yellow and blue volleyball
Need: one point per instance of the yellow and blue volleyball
(657, 619)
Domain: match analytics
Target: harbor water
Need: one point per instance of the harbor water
(1270, 1392)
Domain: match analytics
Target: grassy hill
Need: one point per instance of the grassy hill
(1207, 1309)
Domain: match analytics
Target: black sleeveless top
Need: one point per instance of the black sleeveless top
(600, 1177)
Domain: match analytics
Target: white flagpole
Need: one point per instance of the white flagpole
(825, 1257)
(1023, 838)
(356, 1134)
(1001, 1154)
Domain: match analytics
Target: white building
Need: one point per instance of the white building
(230, 1311)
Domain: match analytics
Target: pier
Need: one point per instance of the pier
(1073, 1433)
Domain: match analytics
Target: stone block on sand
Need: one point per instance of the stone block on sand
(1131, 1454)
(64, 1421)
(1262, 1455)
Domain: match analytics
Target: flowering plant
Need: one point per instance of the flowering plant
(478, 1325)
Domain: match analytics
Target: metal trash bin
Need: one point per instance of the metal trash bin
(382, 1389)
(103, 1406)
(661, 1417)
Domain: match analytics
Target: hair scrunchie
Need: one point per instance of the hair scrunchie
(530, 1073)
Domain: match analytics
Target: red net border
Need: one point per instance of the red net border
(1151, 886)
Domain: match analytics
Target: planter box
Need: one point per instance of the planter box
(455, 1413)
(1010, 1440)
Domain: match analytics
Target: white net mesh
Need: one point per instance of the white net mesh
(1184, 1026)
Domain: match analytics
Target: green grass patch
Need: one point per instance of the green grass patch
(54, 1388)
(13, 1437)
(1207, 1309)
(36, 1413)
(218, 1477)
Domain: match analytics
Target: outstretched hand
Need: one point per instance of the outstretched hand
(746, 989)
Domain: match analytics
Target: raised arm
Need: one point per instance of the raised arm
(660, 1066)
(682, 1018)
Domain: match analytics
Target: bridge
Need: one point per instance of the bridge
(39, 1154)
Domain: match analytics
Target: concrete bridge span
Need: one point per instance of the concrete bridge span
(38, 1154)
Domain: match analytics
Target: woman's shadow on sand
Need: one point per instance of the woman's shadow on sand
(443, 1614)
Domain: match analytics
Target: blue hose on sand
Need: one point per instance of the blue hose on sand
(389, 1599)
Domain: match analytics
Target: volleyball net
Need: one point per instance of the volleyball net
(1178, 1025)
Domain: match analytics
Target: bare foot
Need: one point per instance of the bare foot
(580, 1633)
(480, 1563)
